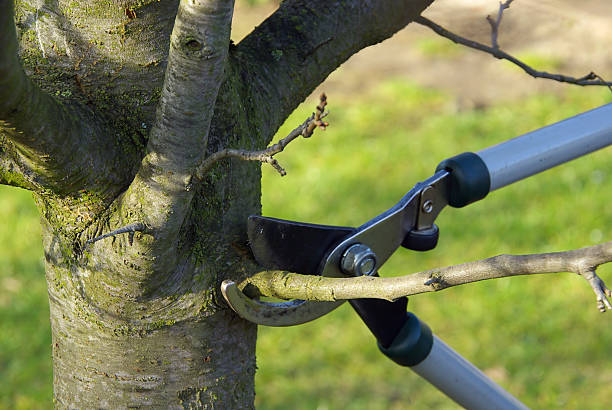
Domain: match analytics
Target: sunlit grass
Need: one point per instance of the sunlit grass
(25, 332)
(540, 337)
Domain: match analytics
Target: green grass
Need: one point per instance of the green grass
(25, 332)
(540, 337)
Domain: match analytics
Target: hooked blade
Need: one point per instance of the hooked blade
(293, 246)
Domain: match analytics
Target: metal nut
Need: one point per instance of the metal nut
(358, 260)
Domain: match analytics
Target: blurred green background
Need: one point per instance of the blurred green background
(540, 337)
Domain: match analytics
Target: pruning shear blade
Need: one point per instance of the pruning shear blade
(319, 249)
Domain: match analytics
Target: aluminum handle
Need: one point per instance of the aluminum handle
(547, 147)
(462, 381)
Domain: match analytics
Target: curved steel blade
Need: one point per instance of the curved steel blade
(289, 313)
(286, 245)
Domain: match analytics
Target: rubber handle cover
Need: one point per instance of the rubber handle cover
(469, 179)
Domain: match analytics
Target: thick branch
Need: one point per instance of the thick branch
(11, 172)
(160, 195)
(589, 79)
(65, 145)
(583, 261)
(305, 130)
(294, 50)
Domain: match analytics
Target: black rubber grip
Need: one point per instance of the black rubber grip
(412, 344)
(469, 179)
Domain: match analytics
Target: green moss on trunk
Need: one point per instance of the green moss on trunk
(120, 341)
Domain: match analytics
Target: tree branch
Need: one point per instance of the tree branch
(285, 58)
(497, 21)
(583, 261)
(130, 229)
(305, 130)
(588, 79)
(66, 146)
(160, 195)
(11, 172)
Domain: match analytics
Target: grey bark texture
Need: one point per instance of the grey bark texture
(107, 108)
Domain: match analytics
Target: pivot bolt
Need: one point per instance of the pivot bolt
(428, 206)
(358, 260)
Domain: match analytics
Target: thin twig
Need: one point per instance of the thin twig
(589, 79)
(305, 130)
(609, 85)
(131, 229)
(583, 261)
(496, 22)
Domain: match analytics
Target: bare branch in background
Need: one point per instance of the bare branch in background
(582, 261)
(305, 130)
(588, 79)
(496, 22)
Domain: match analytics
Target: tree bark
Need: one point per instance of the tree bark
(120, 338)
(105, 115)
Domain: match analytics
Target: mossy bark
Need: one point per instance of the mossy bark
(122, 338)
(137, 320)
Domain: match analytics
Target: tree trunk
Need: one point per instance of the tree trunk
(119, 103)
(177, 347)
(120, 340)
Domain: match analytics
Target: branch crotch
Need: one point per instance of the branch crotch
(160, 196)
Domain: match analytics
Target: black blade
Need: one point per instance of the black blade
(384, 319)
(300, 247)
(294, 246)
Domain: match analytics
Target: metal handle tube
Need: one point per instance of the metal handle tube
(462, 381)
(547, 147)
